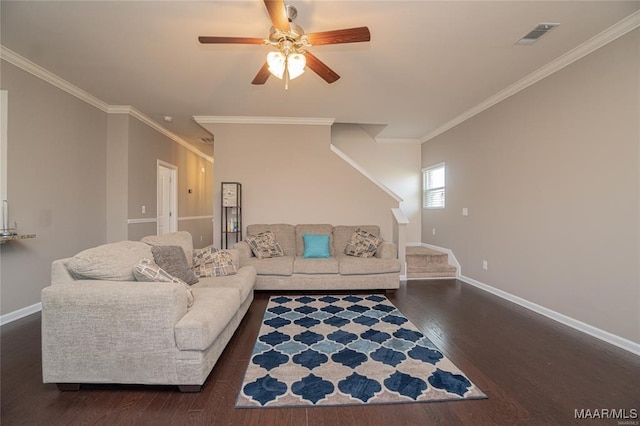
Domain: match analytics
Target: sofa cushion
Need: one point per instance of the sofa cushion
(212, 262)
(312, 229)
(265, 245)
(212, 310)
(147, 270)
(244, 281)
(180, 238)
(173, 260)
(316, 246)
(285, 235)
(111, 262)
(362, 244)
(350, 265)
(315, 265)
(274, 266)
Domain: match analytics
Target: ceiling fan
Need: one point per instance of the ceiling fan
(291, 42)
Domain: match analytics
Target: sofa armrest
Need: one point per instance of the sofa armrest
(387, 250)
(59, 272)
(107, 331)
(244, 251)
(212, 310)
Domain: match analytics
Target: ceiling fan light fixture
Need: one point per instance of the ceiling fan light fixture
(291, 45)
(295, 65)
(292, 63)
(277, 63)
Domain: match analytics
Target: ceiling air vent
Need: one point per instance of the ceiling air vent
(208, 141)
(535, 34)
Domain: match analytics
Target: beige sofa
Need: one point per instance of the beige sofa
(127, 331)
(338, 272)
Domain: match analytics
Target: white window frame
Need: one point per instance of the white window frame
(428, 190)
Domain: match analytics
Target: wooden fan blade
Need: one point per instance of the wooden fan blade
(349, 35)
(321, 69)
(278, 14)
(232, 40)
(262, 75)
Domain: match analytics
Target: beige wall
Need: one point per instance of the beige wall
(551, 178)
(76, 175)
(146, 146)
(290, 175)
(56, 182)
(395, 165)
(117, 176)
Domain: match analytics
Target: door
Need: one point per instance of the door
(167, 202)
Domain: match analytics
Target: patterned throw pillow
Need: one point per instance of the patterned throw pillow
(362, 244)
(212, 262)
(265, 245)
(147, 270)
(173, 260)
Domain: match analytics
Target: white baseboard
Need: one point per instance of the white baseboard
(431, 278)
(618, 341)
(20, 313)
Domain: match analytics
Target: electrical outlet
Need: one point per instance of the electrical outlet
(465, 211)
(433, 231)
(485, 265)
(144, 209)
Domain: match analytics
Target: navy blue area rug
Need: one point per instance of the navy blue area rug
(345, 350)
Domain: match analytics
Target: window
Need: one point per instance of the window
(433, 187)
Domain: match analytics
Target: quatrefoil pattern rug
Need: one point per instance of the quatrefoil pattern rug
(345, 350)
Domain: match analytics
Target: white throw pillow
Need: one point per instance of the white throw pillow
(113, 262)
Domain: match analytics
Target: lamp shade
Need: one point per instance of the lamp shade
(276, 62)
(295, 64)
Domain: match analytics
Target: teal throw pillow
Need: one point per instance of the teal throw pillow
(316, 246)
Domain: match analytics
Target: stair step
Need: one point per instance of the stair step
(424, 256)
(418, 275)
(423, 262)
(434, 267)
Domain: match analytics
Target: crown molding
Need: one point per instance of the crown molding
(398, 140)
(612, 33)
(45, 75)
(311, 121)
(126, 109)
(36, 70)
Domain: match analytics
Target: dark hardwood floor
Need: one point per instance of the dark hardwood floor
(534, 371)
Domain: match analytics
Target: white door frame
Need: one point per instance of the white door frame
(173, 222)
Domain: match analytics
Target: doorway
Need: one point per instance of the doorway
(167, 207)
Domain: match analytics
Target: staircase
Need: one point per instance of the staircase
(424, 262)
